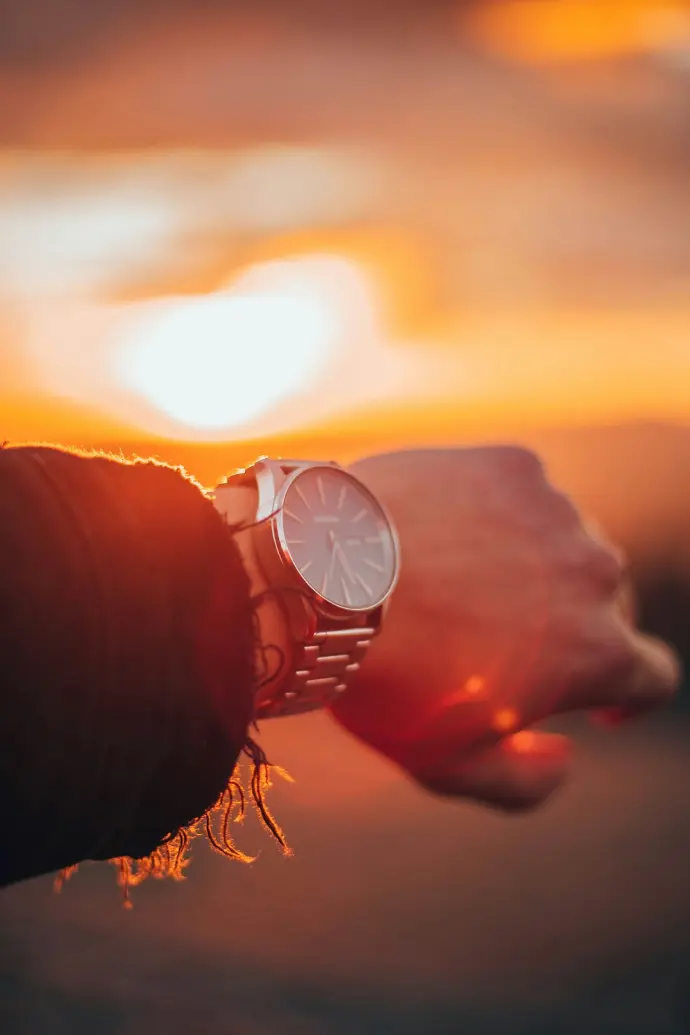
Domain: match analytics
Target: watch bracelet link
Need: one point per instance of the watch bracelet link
(325, 664)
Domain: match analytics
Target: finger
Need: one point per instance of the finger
(612, 717)
(639, 698)
(623, 669)
(656, 676)
(519, 773)
(610, 562)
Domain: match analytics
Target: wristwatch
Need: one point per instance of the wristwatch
(323, 559)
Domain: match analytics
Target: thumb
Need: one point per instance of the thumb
(519, 773)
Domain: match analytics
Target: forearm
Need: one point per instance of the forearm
(127, 651)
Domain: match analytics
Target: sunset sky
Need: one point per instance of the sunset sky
(222, 226)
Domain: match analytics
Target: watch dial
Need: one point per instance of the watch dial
(338, 538)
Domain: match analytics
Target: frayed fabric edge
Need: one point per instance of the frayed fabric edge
(172, 857)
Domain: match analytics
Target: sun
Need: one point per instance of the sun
(220, 361)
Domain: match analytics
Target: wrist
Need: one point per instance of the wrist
(237, 504)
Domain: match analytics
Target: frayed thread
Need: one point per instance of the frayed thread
(172, 857)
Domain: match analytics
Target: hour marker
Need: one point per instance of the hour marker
(289, 513)
(299, 542)
(367, 589)
(324, 583)
(301, 495)
(346, 592)
(358, 517)
(374, 565)
(372, 539)
(322, 494)
(341, 497)
(307, 566)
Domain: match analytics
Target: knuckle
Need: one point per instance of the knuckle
(606, 566)
(616, 659)
(562, 510)
(521, 461)
(599, 566)
(626, 599)
(573, 558)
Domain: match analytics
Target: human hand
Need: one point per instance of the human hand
(508, 610)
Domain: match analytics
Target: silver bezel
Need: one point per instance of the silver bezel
(391, 548)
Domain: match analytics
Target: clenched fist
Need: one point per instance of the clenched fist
(508, 611)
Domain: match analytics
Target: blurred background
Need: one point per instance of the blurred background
(326, 229)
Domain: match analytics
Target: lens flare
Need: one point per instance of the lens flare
(505, 719)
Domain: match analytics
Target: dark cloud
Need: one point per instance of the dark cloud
(48, 32)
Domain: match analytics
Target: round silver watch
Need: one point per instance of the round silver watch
(324, 549)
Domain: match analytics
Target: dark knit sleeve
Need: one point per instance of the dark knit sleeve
(126, 658)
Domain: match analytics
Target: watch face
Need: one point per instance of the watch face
(339, 538)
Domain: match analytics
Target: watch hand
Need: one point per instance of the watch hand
(331, 566)
(344, 561)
